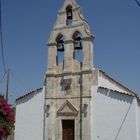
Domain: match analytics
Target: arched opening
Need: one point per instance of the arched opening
(60, 42)
(69, 15)
(77, 38)
(60, 49)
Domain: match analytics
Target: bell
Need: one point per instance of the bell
(60, 47)
(69, 15)
(78, 44)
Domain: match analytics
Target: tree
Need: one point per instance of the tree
(7, 119)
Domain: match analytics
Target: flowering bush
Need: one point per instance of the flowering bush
(7, 119)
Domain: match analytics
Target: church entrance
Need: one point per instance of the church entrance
(68, 129)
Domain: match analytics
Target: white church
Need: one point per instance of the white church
(77, 101)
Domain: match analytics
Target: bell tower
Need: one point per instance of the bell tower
(69, 76)
(70, 34)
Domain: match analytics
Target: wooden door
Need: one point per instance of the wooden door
(68, 129)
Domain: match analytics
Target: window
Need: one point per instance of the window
(77, 38)
(60, 48)
(78, 55)
(60, 42)
(66, 84)
(69, 15)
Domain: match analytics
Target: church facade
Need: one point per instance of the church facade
(78, 101)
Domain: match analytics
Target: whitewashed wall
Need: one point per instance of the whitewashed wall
(104, 81)
(29, 117)
(113, 116)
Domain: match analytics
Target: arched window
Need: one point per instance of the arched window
(60, 42)
(60, 48)
(77, 40)
(77, 37)
(69, 15)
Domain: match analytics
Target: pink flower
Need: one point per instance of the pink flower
(6, 116)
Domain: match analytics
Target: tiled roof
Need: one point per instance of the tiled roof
(117, 91)
(21, 97)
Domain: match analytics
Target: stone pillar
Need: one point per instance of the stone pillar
(52, 55)
(87, 54)
(68, 56)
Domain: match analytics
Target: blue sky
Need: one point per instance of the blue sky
(27, 25)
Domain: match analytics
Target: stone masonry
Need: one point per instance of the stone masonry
(68, 84)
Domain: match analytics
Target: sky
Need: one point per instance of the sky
(27, 25)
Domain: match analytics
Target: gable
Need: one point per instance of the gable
(106, 81)
(67, 109)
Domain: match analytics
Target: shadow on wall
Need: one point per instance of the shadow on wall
(116, 95)
(139, 103)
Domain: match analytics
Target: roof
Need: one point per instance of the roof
(25, 95)
(117, 91)
(120, 84)
(130, 92)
